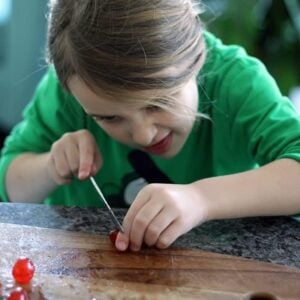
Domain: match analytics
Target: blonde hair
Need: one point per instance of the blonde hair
(122, 46)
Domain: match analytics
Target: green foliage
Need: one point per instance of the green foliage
(269, 30)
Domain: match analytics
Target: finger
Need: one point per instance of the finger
(141, 199)
(158, 225)
(122, 242)
(172, 232)
(86, 157)
(61, 165)
(141, 222)
(72, 157)
(54, 174)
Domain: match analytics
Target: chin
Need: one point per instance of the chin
(167, 155)
(171, 153)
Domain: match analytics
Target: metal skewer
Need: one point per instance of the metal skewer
(114, 218)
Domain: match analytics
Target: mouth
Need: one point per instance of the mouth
(162, 146)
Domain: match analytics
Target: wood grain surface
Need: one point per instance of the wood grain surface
(74, 265)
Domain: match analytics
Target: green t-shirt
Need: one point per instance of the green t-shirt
(251, 124)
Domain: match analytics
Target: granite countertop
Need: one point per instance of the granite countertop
(271, 239)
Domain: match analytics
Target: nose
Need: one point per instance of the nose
(143, 132)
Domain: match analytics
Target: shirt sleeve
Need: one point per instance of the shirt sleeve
(261, 120)
(50, 114)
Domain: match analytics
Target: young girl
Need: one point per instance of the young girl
(172, 123)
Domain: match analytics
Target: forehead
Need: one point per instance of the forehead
(82, 91)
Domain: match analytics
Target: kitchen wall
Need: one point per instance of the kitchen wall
(22, 40)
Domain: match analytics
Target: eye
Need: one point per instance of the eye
(161, 104)
(108, 119)
(152, 108)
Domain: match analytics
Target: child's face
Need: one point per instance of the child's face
(149, 128)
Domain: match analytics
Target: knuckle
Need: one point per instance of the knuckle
(65, 173)
(177, 210)
(151, 237)
(84, 134)
(153, 231)
(139, 222)
(67, 136)
(55, 146)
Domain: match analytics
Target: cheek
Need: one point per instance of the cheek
(116, 132)
(181, 122)
(185, 125)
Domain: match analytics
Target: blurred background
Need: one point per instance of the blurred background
(268, 29)
(22, 40)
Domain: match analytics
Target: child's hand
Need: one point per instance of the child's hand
(75, 154)
(160, 214)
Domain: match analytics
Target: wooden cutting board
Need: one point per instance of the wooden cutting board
(73, 265)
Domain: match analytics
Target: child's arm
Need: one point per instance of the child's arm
(161, 213)
(270, 190)
(27, 179)
(31, 177)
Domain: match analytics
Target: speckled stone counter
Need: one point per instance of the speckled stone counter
(272, 239)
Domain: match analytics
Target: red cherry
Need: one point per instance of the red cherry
(23, 270)
(18, 294)
(113, 236)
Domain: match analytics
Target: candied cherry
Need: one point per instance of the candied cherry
(18, 293)
(113, 236)
(23, 270)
